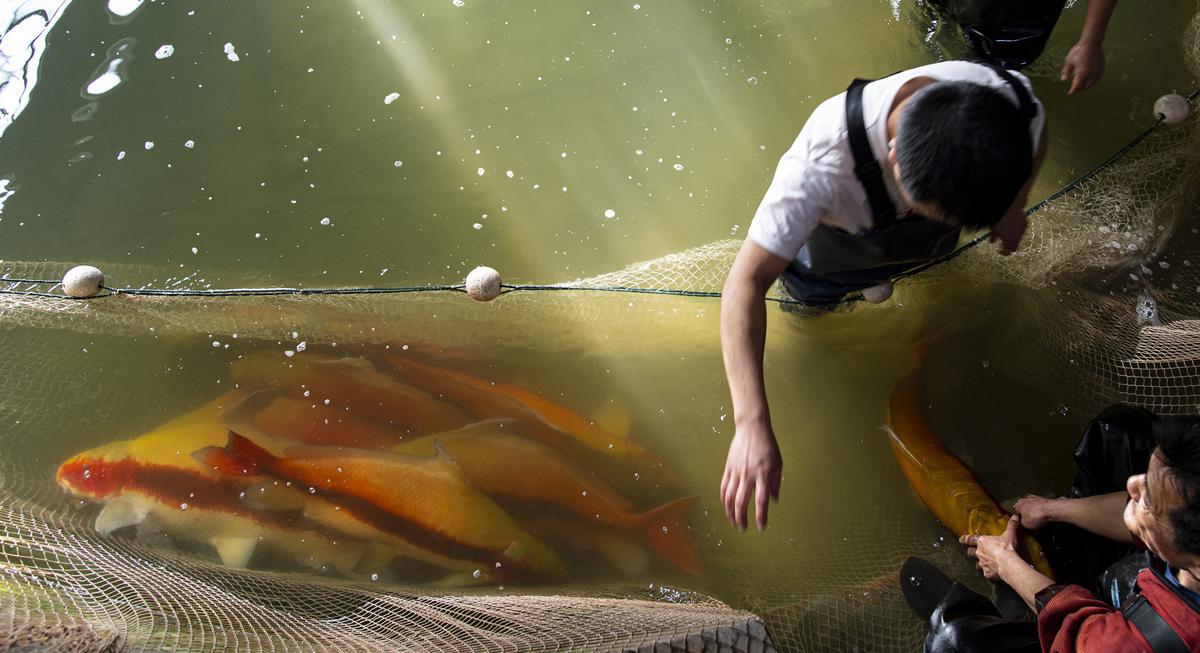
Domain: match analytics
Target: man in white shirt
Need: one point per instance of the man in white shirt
(880, 180)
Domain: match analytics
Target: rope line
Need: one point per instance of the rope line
(506, 288)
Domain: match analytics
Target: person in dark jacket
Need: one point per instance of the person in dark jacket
(1158, 512)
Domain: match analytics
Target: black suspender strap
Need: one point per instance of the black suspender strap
(1160, 635)
(1024, 101)
(866, 167)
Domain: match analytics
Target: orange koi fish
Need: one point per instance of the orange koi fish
(353, 384)
(155, 476)
(945, 485)
(421, 507)
(502, 464)
(268, 413)
(553, 424)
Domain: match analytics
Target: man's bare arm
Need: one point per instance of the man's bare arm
(1008, 232)
(753, 465)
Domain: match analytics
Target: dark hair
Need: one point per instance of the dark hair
(966, 148)
(1179, 449)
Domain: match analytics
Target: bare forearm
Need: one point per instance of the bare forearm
(743, 338)
(1095, 23)
(1024, 579)
(1101, 514)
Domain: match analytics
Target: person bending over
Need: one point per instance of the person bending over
(960, 143)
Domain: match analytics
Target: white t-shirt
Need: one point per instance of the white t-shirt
(815, 183)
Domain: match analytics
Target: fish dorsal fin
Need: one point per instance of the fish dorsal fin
(487, 427)
(235, 551)
(441, 455)
(614, 416)
(120, 513)
(239, 417)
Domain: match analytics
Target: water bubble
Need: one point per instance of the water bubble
(87, 472)
(664, 529)
(307, 392)
(325, 222)
(390, 98)
(120, 155)
(458, 3)
(609, 213)
(374, 576)
(326, 402)
(184, 506)
(189, 143)
(480, 172)
(728, 41)
(301, 346)
(477, 226)
(230, 52)
(398, 163)
(216, 343)
(477, 573)
(149, 145)
(164, 51)
(195, 250)
(678, 166)
(289, 353)
(312, 490)
(508, 173)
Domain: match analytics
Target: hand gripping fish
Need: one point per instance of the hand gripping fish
(496, 459)
(422, 507)
(945, 485)
(554, 425)
(155, 475)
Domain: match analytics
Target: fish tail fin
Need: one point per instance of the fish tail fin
(666, 533)
(240, 457)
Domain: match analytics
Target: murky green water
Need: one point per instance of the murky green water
(391, 143)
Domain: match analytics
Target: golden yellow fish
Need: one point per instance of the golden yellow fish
(353, 385)
(554, 425)
(945, 485)
(501, 463)
(422, 507)
(155, 475)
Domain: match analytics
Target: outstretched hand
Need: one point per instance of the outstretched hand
(993, 553)
(754, 466)
(1084, 67)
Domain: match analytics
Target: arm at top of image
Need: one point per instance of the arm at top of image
(1085, 61)
(753, 465)
(1101, 514)
(1008, 232)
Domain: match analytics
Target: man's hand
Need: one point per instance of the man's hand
(753, 466)
(1084, 66)
(1035, 512)
(995, 554)
(1008, 232)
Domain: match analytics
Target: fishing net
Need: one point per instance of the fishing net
(1107, 285)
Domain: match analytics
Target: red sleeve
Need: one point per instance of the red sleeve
(1075, 621)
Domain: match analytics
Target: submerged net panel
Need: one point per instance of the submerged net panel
(1107, 280)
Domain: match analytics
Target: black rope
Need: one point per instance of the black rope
(505, 288)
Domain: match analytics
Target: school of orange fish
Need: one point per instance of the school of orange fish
(388, 464)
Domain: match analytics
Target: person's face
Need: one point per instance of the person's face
(928, 210)
(1152, 498)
